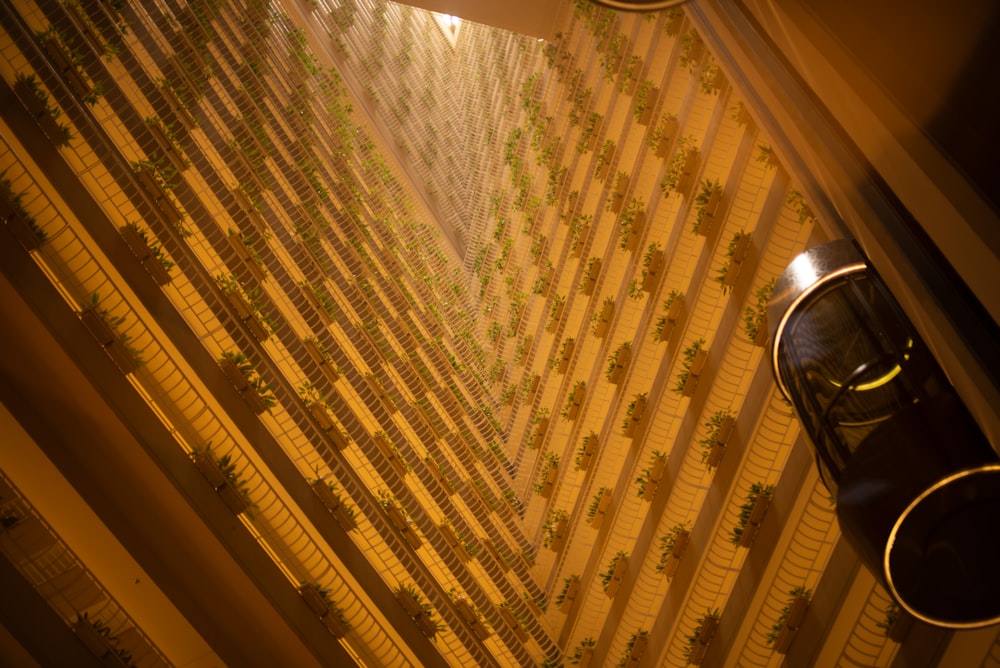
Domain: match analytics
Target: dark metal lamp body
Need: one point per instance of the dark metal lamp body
(917, 485)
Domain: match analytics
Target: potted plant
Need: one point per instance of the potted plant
(586, 452)
(95, 635)
(554, 529)
(575, 400)
(399, 519)
(375, 384)
(583, 654)
(649, 478)
(719, 429)
(599, 506)
(418, 609)
(673, 545)
(556, 307)
(897, 623)
(751, 515)
(248, 307)
(692, 365)
(471, 615)
(661, 137)
(547, 475)
(645, 100)
(617, 198)
(674, 20)
(21, 223)
(629, 78)
(344, 513)
(699, 639)
(540, 423)
(601, 320)
(318, 599)
(439, 474)
(797, 203)
(225, 479)
(69, 65)
(741, 114)
(579, 232)
(612, 578)
(168, 143)
(635, 648)
(681, 168)
(537, 605)
(783, 630)
(633, 414)
(755, 315)
(708, 207)
(766, 156)
(566, 595)
(391, 453)
(603, 159)
(630, 224)
(618, 362)
(149, 252)
(512, 618)
(673, 306)
(104, 327)
(463, 549)
(652, 266)
(692, 50)
(711, 78)
(736, 254)
(318, 353)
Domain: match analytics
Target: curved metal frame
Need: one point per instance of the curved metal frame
(944, 482)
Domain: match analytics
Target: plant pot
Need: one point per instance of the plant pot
(571, 592)
(638, 648)
(757, 514)
(207, 467)
(658, 468)
(900, 627)
(97, 326)
(257, 329)
(602, 510)
(681, 542)
(425, 625)
(713, 211)
(783, 642)
(667, 330)
(318, 412)
(676, 310)
(495, 553)
(233, 498)
(652, 273)
(589, 452)
(91, 638)
(314, 600)
(448, 532)
(29, 100)
(23, 232)
(410, 604)
(762, 336)
(512, 621)
(121, 356)
(636, 417)
(253, 400)
(559, 535)
(333, 624)
(340, 440)
(715, 454)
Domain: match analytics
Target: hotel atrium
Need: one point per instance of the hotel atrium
(346, 332)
